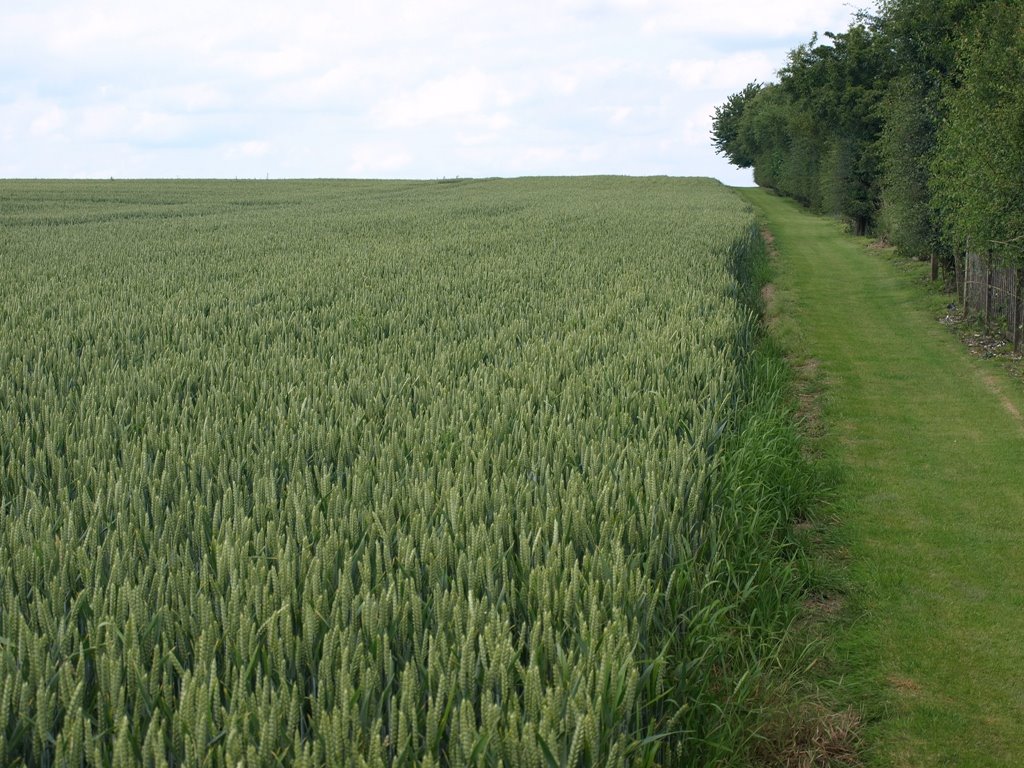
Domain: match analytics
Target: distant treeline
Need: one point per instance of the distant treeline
(910, 124)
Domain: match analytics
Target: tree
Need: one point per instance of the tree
(921, 37)
(840, 83)
(906, 148)
(726, 126)
(912, 118)
(978, 171)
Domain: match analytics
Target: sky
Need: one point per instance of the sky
(383, 88)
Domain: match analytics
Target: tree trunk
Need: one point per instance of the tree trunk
(958, 277)
(965, 283)
(935, 266)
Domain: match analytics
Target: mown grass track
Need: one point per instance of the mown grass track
(931, 440)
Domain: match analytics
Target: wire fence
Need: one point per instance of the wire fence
(993, 293)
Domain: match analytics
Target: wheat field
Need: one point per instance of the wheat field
(387, 474)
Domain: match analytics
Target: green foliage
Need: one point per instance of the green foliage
(361, 473)
(727, 125)
(839, 85)
(922, 35)
(764, 132)
(979, 170)
(853, 125)
(811, 136)
(906, 145)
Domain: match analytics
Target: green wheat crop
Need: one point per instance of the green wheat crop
(384, 474)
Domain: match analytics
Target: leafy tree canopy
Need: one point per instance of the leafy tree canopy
(726, 127)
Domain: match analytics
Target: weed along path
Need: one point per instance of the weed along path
(932, 503)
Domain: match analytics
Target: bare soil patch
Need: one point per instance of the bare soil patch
(815, 738)
(904, 684)
(824, 605)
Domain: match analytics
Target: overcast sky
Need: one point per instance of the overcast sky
(385, 88)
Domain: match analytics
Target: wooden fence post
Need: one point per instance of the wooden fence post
(988, 289)
(1018, 285)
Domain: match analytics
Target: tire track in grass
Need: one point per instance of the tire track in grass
(932, 503)
(997, 390)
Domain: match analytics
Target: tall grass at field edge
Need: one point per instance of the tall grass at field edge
(761, 567)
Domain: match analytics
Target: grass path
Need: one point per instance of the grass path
(932, 507)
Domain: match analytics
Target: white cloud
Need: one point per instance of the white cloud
(89, 29)
(395, 87)
(492, 129)
(463, 95)
(119, 122)
(620, 115)
(320, 88)
(696, 128)
(577, 75)
(378, 160)
(533, 160)
(731, 71)
(563, 82)
(593, 153)
(192, 97)
(722, 18)
(253, 148)
(49, 121)
(272, 64)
